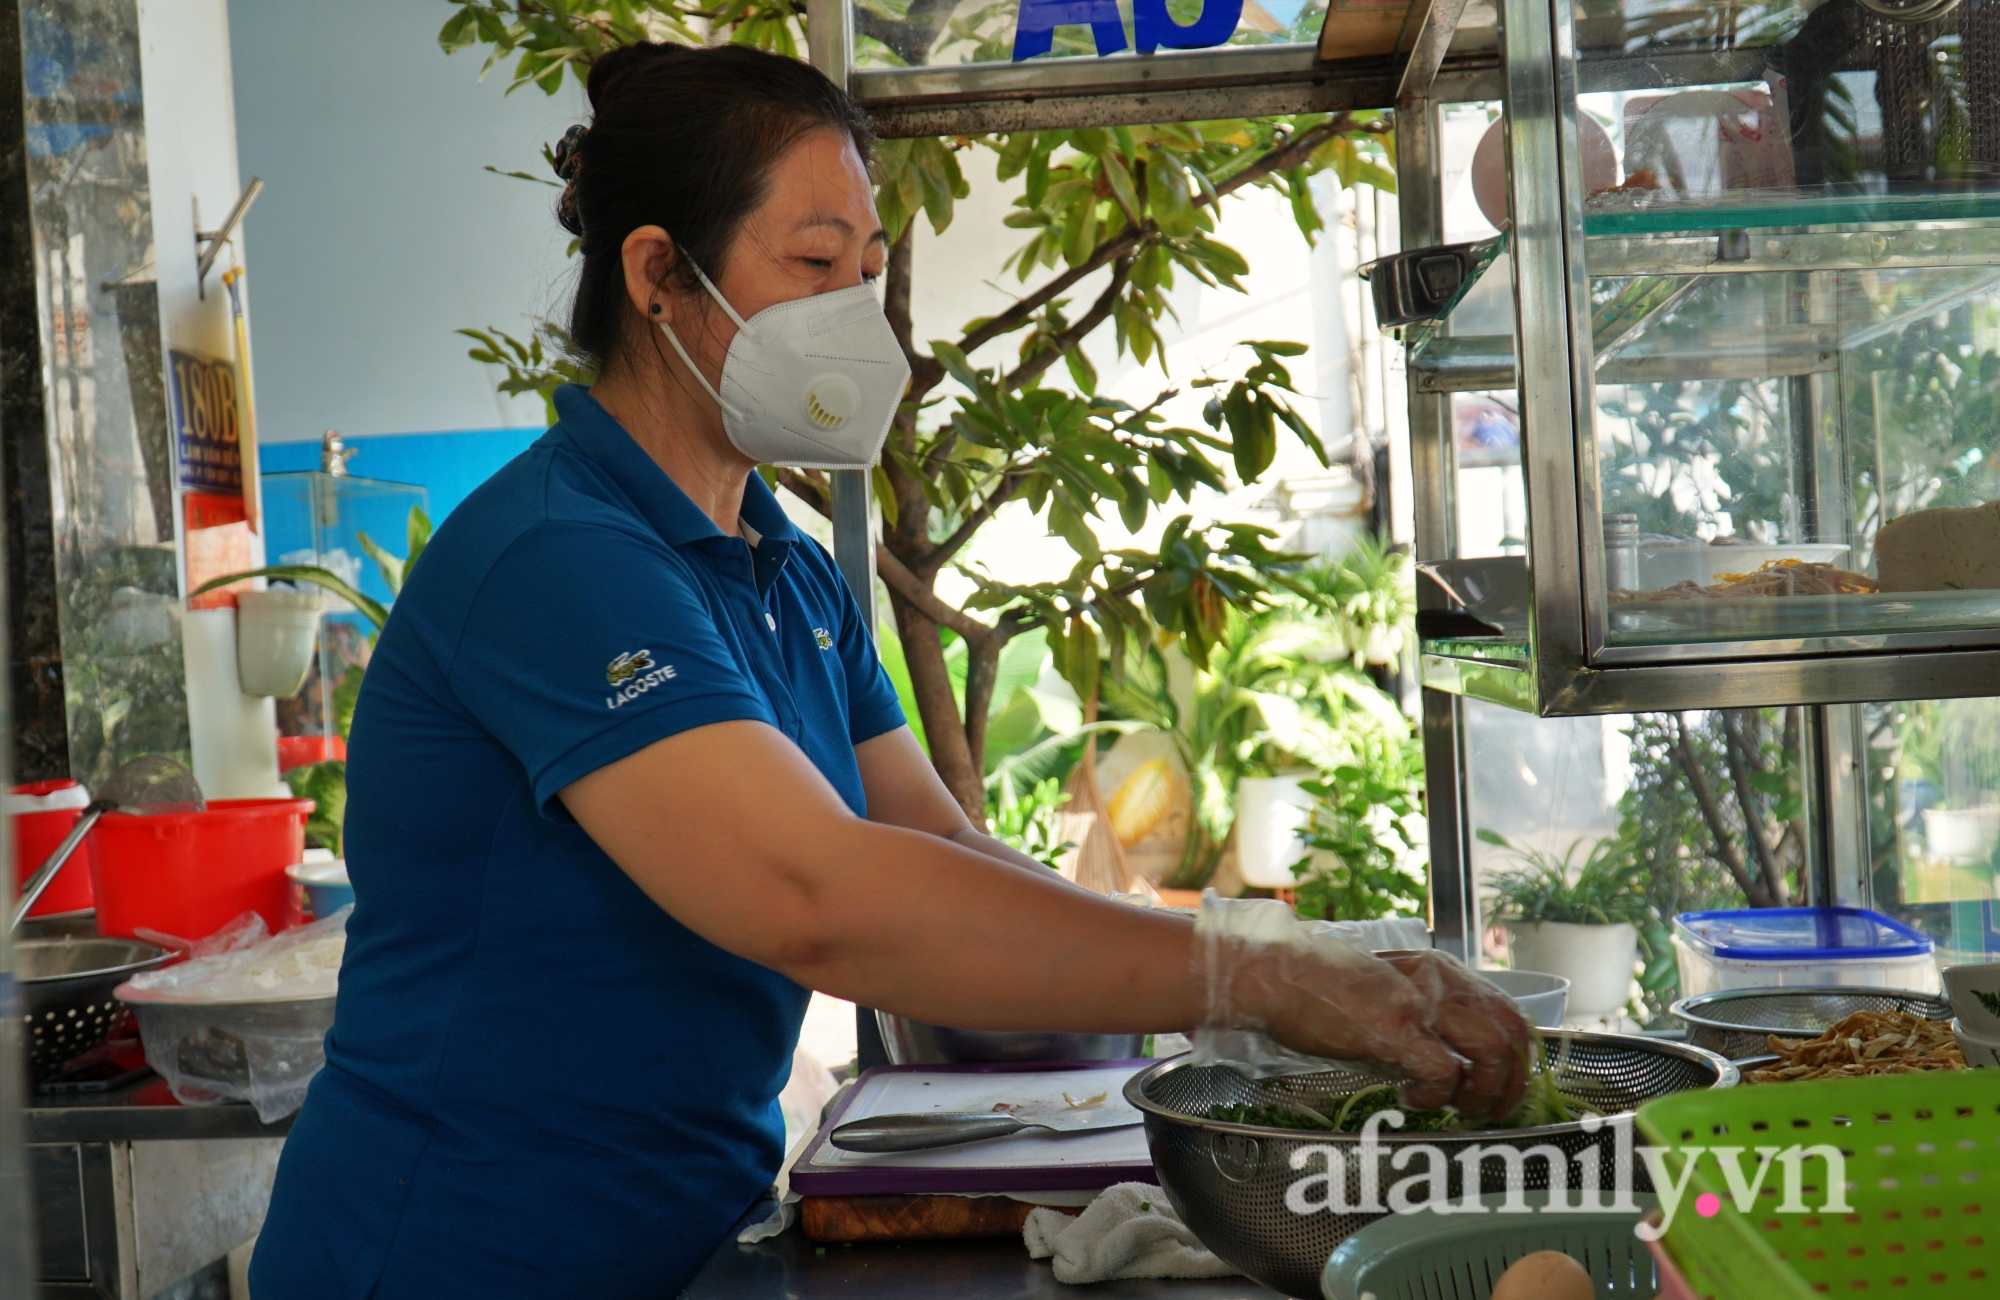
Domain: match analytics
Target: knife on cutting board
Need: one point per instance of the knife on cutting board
(922, 1132)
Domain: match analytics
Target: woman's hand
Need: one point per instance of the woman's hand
(1459, 1040)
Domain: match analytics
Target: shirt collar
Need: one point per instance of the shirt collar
(676, 518)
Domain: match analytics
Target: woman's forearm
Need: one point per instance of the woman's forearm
(732, 831)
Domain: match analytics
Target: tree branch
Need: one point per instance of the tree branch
(940, 555)
(1289, 154)
(807, 489)
(1711, 813)
(1736, 750)
(921, 598)
(1053, 351)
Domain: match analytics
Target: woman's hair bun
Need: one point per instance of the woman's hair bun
(613, 64)
(565, 156)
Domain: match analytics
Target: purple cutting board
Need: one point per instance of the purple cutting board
(887, 1180)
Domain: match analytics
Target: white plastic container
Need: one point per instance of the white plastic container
(275, 634)
(1962, 836)
(1782, 947)
(1270, 813)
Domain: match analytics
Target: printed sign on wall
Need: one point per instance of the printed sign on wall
(1213, 23)
(207, 432)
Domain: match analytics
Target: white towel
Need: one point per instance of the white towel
(1129, 1231)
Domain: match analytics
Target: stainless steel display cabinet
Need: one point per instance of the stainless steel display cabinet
(1744, 304)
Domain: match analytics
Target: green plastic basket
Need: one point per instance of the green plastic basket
(1922, 1155)
(1454, 1257)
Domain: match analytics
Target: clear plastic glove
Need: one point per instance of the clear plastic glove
(1281, 999)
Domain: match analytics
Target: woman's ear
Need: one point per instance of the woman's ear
(648, 255)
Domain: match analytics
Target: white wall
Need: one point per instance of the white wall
(190, 134)
(379, 233)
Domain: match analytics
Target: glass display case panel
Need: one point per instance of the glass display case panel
(1933, 809)
(1791, 232)
(323, 519)
(1699, 808)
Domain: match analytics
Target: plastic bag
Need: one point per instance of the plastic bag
(1410, 1015)
(247, 1023)
(1232, 936)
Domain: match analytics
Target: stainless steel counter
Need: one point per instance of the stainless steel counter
(134, 1191)
(141, 1112)
(789, 1267)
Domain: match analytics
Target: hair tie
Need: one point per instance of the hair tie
(564, 158)
(567, 160)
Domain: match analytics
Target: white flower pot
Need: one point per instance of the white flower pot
(1595, 959)
(275, 632)
(1270, 813)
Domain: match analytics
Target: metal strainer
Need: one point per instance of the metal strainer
(1738, 1022)
(1229, 1180)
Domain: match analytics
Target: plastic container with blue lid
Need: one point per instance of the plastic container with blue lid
(1780, 947)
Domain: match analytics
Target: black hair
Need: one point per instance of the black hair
(682, 138)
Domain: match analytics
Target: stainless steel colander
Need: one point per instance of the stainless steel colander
(1737, 1022)
(1229, 1180)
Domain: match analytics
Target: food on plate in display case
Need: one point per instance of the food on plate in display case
(1867, 1042)
(1772, 578)
(1947, 548)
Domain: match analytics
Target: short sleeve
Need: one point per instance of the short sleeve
(872, 706)
(584, 645)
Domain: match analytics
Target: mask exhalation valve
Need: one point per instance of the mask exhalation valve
(831, 401)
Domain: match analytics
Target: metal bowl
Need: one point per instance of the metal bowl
(1740, 1022)
(912, 1042)
(66, 1002)
(1230, 1181)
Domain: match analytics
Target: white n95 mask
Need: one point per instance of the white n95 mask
(811, 383)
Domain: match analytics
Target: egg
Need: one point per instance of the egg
(1545, 1275)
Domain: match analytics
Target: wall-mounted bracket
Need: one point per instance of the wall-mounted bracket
(209, 242)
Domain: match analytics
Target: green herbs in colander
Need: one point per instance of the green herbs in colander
(1347, 1112)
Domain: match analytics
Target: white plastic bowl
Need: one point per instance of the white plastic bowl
(1542, 997)
(1964, 985)
(1980, 1053)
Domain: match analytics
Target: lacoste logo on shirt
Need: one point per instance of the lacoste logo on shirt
(633, 674)
(628, 665)
(824, 637)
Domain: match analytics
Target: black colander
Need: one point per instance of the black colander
(65, 991)
(1739, 1022)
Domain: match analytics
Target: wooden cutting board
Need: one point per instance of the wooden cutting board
(911, 1218)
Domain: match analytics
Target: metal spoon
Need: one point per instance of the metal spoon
(149, 784)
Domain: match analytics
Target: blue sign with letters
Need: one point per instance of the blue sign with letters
(1152, 26)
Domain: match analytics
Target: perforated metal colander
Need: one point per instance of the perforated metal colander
(1738, 1022)
(1229, 1181)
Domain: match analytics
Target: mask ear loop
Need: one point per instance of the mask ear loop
(682, 352)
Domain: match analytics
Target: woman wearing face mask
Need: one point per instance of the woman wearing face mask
(626, 780)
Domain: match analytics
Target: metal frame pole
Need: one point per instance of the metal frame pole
(830, 46)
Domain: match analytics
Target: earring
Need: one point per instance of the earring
(654, 309)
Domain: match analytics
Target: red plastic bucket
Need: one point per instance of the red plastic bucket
(36, 835)
(297, 751)
(189, 874)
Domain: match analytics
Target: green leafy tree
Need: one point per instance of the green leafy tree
(1138, 204)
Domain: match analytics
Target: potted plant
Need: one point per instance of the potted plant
(1577, 920)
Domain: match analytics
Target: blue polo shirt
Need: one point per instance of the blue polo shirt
(538, 1083)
